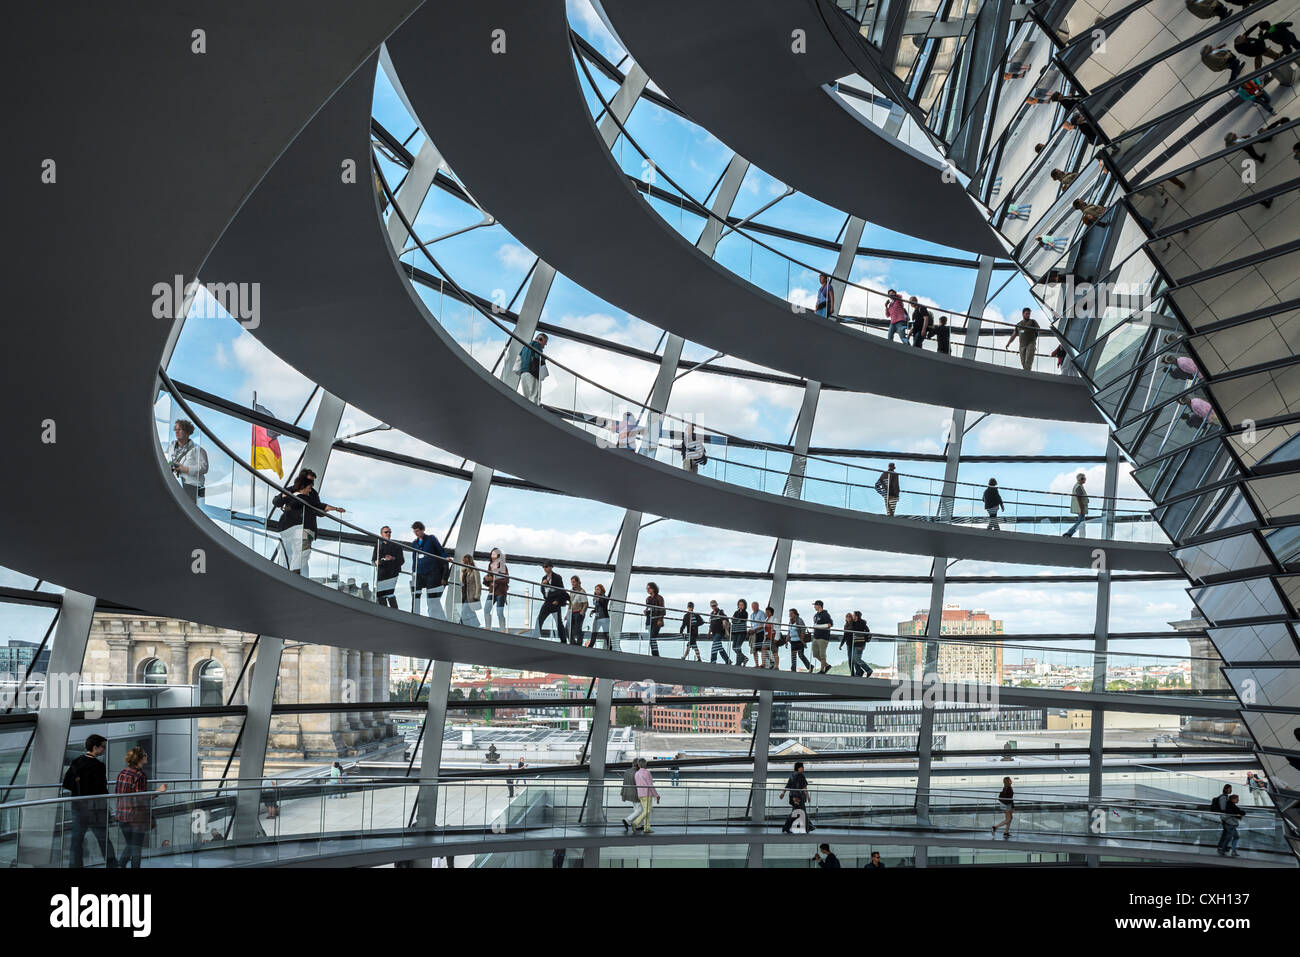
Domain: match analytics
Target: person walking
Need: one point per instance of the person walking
(1279, 33)
(646, 793)
(554, 598)
(577, 609)
(943, 336)
(134, 814)
(1205, 9)
(797, 785)
(87, 779)
(796, 633)
(824, 857)
(654, 615)
(431, 569)
(1026, 330)
(1006, 797)
(388, 559)
(739, 620)
(1230, 818)
(188, 462)
(718, 633)
(471, 591)
(756, 634)
(821, 630)
(628, 793)
(846, 640)
(772, 639)
(1252, 92)
(896, 313)
(993, 505)
(599, 616)
(861, 635)
(887, 485)
(531, 366)
(1078, 506)
(336, 780)
(300, 507)
(1255, 47)
(922, 321)
(1217, 57)
(691, 623)
(825, 296)
(497, 584)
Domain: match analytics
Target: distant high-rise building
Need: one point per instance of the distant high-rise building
(978, 661)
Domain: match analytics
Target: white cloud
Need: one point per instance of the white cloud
(514, 256)
(1001, 435)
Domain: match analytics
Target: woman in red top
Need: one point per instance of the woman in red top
(134, 814)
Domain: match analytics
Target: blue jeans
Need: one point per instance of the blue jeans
(599, 626)
(899, 329)
(1228, 839)
(718, 649)
(856, 665)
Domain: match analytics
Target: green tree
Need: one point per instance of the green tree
(629, 716)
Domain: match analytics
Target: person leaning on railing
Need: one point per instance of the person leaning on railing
(299, 508)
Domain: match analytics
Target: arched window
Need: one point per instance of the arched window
(153, 672)
(211, 678)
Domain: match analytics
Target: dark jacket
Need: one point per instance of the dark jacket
(717, 623)
(430, 558)
(654, 610)
(691, 623)
(992, 499)
(888, 482)
(942, 335)
(830, 860)
(301, 508)
(739, 621)
(599, 607)
(86, 776)
(553, 592)
(388, 557)
(530, 359)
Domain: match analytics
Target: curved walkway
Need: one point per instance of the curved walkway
(730, 65)
(577, 210)
(373, 850)
(340, 306)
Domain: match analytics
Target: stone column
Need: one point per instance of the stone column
(352, 672)
(366, 691)
(177, 661)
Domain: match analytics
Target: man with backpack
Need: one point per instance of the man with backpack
(797, 785)
(691, 623)
(85, 778)
(430, 570)
(822, 622)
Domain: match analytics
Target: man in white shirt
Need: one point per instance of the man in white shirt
(757, 620)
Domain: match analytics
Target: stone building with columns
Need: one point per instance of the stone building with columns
(147, 649)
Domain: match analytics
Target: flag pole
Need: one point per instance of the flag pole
(252, 479)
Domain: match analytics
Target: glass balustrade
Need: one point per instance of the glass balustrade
(279, 821)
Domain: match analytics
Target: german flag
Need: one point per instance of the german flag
(266, 445)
